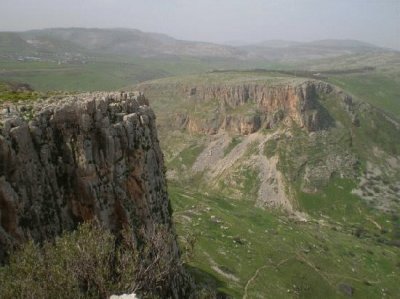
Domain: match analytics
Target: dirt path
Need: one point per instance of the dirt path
(252, 278)
(269, 264)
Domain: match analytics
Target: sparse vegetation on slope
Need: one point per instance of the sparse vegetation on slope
(255, 253)
(90, 262)
(83, 264)
(332, 241)
(330, 167)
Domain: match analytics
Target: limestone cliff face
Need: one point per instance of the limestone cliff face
(67, 160)
(245, 108)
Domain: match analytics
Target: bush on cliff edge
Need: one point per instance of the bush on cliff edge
(86, 263)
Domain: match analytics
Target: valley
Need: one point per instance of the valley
(282, 159)
(281, 205)
(249, 252)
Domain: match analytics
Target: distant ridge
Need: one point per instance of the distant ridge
(133, 42)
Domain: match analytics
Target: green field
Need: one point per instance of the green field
(107, 73)
(94, 75)
(248, 252)
(379, 89)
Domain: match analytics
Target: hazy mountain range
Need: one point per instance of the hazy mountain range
(132, 42)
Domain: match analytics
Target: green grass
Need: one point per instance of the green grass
(336, 202)
(187, 156)
(106, 72)
(10, 95)
(229, 78)
(379, 89)
(236, 140)
(270, 148)
(376, 130)
(45, 76)
(236, 241)
(14, 92)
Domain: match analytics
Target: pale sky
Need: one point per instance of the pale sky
(376, 21)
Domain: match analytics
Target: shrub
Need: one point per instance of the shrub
(80, 264)
(93, 263)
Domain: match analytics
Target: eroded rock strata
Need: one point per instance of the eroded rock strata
(246, 107)
(90, 156)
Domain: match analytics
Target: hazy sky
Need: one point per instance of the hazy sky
(376, 21)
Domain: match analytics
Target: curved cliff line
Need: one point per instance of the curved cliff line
(246, 107)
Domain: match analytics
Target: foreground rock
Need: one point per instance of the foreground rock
(91, 156)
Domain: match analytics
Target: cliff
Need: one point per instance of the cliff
(271, 139)
(244, 107)
(90, 156)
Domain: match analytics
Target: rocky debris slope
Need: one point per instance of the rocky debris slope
(217, 167)
(272, 138)
(90, 156)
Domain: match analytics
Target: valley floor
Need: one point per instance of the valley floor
(249, 252)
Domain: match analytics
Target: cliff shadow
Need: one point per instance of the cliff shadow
(207, 280)
(325, 119)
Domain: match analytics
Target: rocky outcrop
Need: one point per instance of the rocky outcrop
(245, 108)
(91, 156)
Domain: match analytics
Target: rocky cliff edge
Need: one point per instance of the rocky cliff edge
(71, 159)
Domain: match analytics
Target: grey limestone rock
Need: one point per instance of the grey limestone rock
(78, 158)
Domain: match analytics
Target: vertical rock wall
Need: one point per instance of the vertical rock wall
(73, 159)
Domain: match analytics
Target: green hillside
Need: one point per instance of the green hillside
(293, 200)
(337, 243)
(252, 253)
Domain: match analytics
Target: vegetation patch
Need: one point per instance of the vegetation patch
(280, 258)
(88, 263)
(14, 92)
(78, 265)
(236, 140)
(187, 157)
(270, 148)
